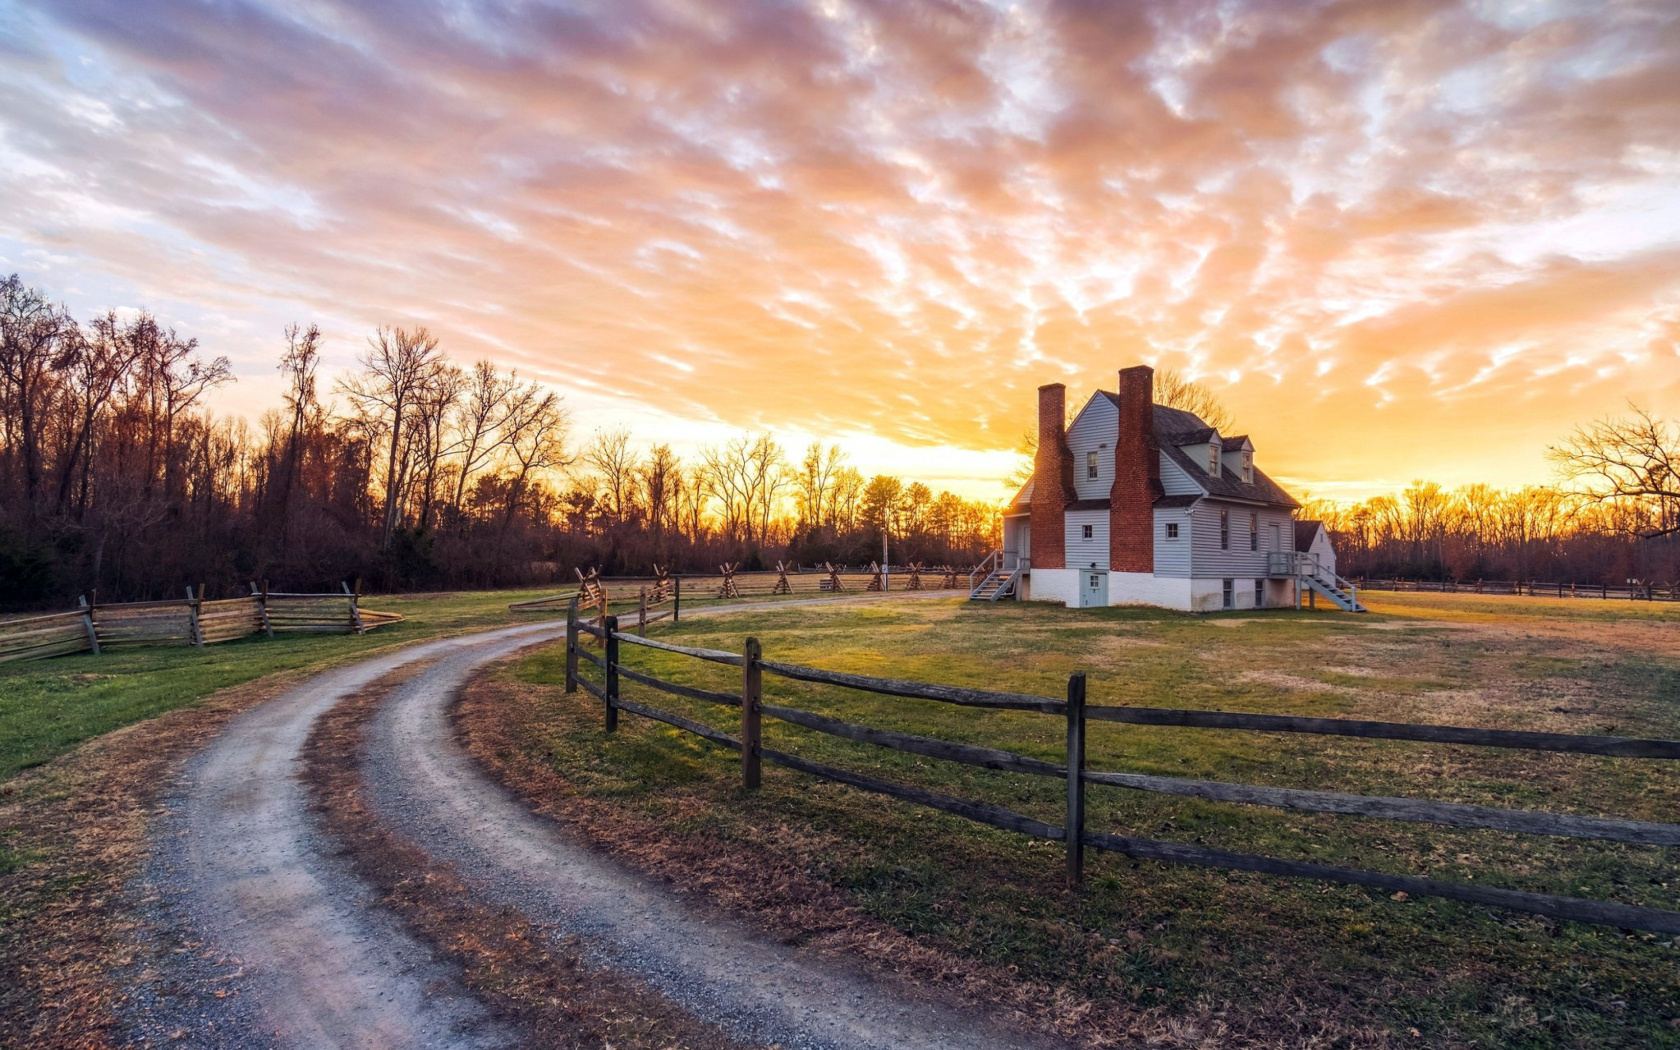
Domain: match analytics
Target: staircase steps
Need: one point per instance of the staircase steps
(1340, 593)
(1000, 583)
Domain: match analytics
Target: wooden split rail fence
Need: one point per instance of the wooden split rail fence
(1638, 592)
(1077, 714)
(193, 620)
(730, 583)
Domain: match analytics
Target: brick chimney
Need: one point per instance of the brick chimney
(1137, 476)
(1052, 481)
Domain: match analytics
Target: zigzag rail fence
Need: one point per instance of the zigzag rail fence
(1077, 714)
(193, 620)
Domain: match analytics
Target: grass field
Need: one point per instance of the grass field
(1321, 958)
(48, 707)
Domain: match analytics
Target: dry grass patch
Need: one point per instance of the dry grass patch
(1147, 946)
(73, 833)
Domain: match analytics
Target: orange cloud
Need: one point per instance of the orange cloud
(1403, 239)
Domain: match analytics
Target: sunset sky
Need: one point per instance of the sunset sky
(1400, 239)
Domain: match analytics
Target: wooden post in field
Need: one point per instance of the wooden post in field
(193, 628)
(87, 624)
(355, 600)
(641, 614)
(752, 701)
(571, 646)
(676, 598)
(261, 598)
(1075, 827)
(609, 624)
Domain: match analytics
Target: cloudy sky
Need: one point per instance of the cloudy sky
(1401, 238)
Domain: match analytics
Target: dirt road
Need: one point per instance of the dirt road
(309, 958)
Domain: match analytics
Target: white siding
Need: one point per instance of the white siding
(1081, 552)
(1321, 547)
(1172, 557)
(1174, 482)
(1095, 430)
(1240, 563)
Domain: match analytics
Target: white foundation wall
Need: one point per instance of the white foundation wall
(1053, 585)
(1167, 592)
(1209, 595)
(1143, 588)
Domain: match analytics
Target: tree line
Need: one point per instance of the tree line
(1613, 516)
(410, 471)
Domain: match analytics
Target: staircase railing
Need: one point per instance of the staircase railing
(985, 568)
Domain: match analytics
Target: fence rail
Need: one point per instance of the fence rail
(1634, 591)
(193, 620)
(1077, 778)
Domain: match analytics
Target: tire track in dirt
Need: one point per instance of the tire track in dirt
(246, 871)
(250, 881)
(423, 782)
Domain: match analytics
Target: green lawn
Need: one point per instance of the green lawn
(47, 707)
(1173, 937)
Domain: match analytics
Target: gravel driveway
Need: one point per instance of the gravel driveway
(307, 958)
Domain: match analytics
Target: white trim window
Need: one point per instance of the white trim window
(1092, 466)
(1172, 530)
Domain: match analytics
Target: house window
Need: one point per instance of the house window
(1259, 594)
(1230, 593)
(1085, 532)
(1172, 530)
(1091, 465)
(1248, 467)
(1213, 459)
(1254, 532)
(1224, 530)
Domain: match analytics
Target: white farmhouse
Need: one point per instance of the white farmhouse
(1137, 503)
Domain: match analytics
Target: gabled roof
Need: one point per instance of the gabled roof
(1175, 427)
(1024, 497)
(1305, 533)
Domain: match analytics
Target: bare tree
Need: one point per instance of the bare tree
(434, 410)
(486, 405)
(35, 338)
(299, 365)
(396, 368)
(1632, 462)
(728, 479)
(767, 475)
(1174, 390)
(536, 442)
(618, 466)
(661, 478)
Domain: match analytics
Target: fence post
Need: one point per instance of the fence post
(1075, 826)
(752, 700)
(262, 606)
(193, 627)
(571, 646)
(355, 600)
(609, 625)
(87, 623)
(676, 599)
(641, 614)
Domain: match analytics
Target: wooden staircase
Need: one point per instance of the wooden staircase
(1315, 578)
(991, 581)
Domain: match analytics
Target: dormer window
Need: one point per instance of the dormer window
(1213, 460)
(1248, 468)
